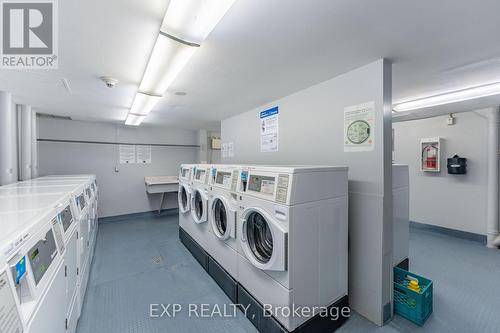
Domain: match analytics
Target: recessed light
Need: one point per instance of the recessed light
(180, 93)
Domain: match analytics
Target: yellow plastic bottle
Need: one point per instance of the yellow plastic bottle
(413, 285)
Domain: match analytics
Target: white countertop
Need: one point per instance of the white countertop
(161, 180)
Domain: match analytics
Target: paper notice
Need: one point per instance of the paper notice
(269, 130)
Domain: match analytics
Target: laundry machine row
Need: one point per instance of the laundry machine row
(42, 252)
(273, 238)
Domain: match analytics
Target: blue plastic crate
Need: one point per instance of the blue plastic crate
(414, 306)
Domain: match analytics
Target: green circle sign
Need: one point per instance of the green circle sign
(358, 132)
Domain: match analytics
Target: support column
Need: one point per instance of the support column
(492, 231)
(6, 139)
(26, 141)
(34, 146)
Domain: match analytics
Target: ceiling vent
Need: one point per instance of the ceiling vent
(52, 116)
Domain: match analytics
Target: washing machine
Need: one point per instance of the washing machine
(401, 215)
(184, 196)
(198, 228)
(293, 237)
(223, 204)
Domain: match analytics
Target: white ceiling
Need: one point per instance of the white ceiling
(260, 51)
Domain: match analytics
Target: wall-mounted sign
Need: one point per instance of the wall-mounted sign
(269, 130)
(143, 154)
(359, 127)
(127, 154)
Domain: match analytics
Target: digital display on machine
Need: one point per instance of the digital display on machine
(261, 184)
(20, 269)
(200, 173)
(34, 254)
(223, 178)
(66, 218)
(41, 255)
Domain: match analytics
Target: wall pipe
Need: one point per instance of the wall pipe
(492, 230)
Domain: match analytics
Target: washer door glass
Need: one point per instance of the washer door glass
(220, 217)
(198, 205)
(184, 198)
(259, 237)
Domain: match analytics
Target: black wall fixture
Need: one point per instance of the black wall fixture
(457, 165)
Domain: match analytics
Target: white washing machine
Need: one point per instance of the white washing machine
(401, 215)
(198, 229)
(184, 196)
(293, 234)
(222, 243)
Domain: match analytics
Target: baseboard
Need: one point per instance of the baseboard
(196, 250)
(268, 324)
(449, 232)
(404, 264)
(127, 217)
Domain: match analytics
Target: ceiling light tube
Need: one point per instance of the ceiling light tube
(134, 120)
(193, 20)
(451, 97)
(186, 24)
(144, 103)
(167, 59)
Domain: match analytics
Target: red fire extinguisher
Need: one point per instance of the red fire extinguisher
(430, 154)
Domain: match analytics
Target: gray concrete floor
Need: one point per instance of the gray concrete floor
(140, 261)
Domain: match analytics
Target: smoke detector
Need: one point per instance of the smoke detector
(110, 82)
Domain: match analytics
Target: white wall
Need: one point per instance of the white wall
(451, 201)
(311, 125)
(121, 192)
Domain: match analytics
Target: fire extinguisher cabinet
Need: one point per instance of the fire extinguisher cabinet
(430, 159)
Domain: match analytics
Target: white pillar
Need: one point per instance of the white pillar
(15, 143)
(6, 142)
(26, 141)
(34, 146)
(492, 232)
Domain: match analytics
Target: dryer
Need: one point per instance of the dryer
(293, 233)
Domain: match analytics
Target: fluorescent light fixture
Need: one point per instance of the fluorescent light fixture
(193, 20)
(167, 60)
(134, 120)
(144, 103)
(451, 97)
(186, 24)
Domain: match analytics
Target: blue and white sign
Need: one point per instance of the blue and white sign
(269, 130)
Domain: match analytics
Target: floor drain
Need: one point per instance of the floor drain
(157, 259)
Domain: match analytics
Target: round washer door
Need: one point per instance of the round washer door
(199, 203)
(263, 241)
(222, 219)
(184, 199)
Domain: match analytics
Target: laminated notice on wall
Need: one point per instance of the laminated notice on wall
(224, 150)
(359, 127)
(127, 154)
(230, 149)
(269, 130)
(143, 154)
